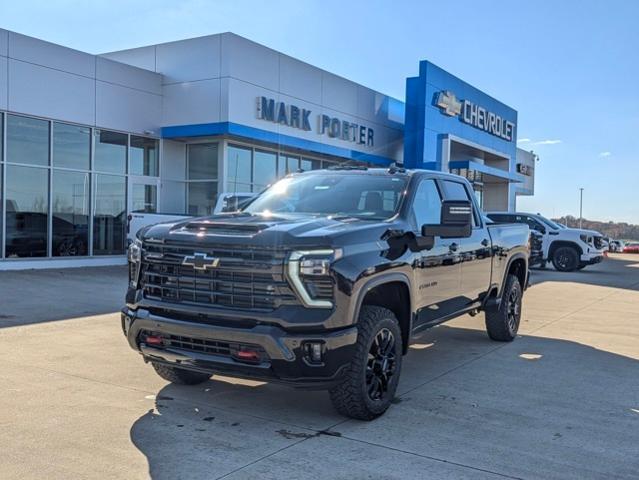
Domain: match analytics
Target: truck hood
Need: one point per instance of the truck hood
(267, 231)
(580, 231)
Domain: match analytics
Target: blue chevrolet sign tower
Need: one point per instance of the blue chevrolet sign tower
(452, 126)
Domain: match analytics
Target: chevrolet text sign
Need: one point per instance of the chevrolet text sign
(475, 115)
(296, 117)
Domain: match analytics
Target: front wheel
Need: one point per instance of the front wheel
(565, 259)
(502, 322)
(371, 379)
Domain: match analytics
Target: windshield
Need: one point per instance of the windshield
(550, 223)
(374, 197)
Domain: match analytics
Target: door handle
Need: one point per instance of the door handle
(485, 242)
(453, 247)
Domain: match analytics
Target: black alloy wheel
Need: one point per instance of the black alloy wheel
(381, 365)
(513, 309)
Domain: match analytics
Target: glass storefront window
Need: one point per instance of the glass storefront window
(144, 198)
(239, 169)
(109, 220)
(110, 151)
(27, 210)
(202, 159)
(27, 140)
(264, 169)
(70, 210)
(202, 198)
(145, 158)
(71, 146)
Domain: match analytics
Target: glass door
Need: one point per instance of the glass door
(143, 194)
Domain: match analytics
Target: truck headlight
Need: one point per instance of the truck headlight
(309, 273)
(134, 255)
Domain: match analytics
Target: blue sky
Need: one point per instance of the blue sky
(570, 68)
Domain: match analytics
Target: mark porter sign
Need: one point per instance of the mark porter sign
(293, 116)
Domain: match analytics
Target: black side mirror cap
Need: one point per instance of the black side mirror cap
(456, 221)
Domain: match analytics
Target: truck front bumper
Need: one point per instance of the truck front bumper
(592, 258)
(281, 356)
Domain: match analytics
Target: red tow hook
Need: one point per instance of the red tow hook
(154, 340)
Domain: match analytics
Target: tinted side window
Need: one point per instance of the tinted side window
(427, 205)
(502, 218)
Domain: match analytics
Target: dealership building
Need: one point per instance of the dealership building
(88, 139)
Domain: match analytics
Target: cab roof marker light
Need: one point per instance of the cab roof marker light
(293, 269)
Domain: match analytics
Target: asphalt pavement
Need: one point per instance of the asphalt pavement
(562, 401)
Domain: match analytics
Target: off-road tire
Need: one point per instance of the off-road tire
(351, 397)
(582, 266)
(180, 376)
(502, 322)
(565, 259)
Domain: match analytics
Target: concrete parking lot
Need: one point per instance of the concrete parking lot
(562, 401)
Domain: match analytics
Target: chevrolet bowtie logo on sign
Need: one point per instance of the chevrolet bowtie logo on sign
(201, 261)
(447, 101)
(475, 115)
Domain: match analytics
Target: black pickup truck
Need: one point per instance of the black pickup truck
(321, 281)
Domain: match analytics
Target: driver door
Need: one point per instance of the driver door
(437, 272)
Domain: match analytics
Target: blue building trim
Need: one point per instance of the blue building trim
(426, 125)
(236, 129)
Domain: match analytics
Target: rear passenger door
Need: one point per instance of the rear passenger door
(475, 251)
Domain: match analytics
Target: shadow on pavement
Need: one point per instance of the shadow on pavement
(538, 406)
(36, 296)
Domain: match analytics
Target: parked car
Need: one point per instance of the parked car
(616, 246)
(631, 248)
(568, 249)
(321, 282)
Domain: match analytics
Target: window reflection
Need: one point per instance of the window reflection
(110, 151)
(239, 169)
(27, 140)
(202, 198)
(71, 146)
(264, 169)
(109, 221)
(27, 208)
(70, 208)
(144, 156)
(144, 198)
(202, 161)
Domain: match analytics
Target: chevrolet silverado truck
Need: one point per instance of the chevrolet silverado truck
(568, 249)
(321, 281)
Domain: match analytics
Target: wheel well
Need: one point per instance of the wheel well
(559, 243)
(518, 268)
(394, 296)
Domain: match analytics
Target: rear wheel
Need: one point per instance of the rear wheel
(371, 380)
(180, 376)
(502, 322)
(565, 259)
(582, 266)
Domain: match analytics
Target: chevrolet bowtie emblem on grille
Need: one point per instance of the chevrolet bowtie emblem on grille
(447, 101)
(201, 261)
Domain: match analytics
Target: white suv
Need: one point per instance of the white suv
(567, 248)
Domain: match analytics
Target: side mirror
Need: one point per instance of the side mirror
(456, 221)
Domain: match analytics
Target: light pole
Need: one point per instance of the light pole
(581, 206)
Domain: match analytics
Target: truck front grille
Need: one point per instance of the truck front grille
(241, 278)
